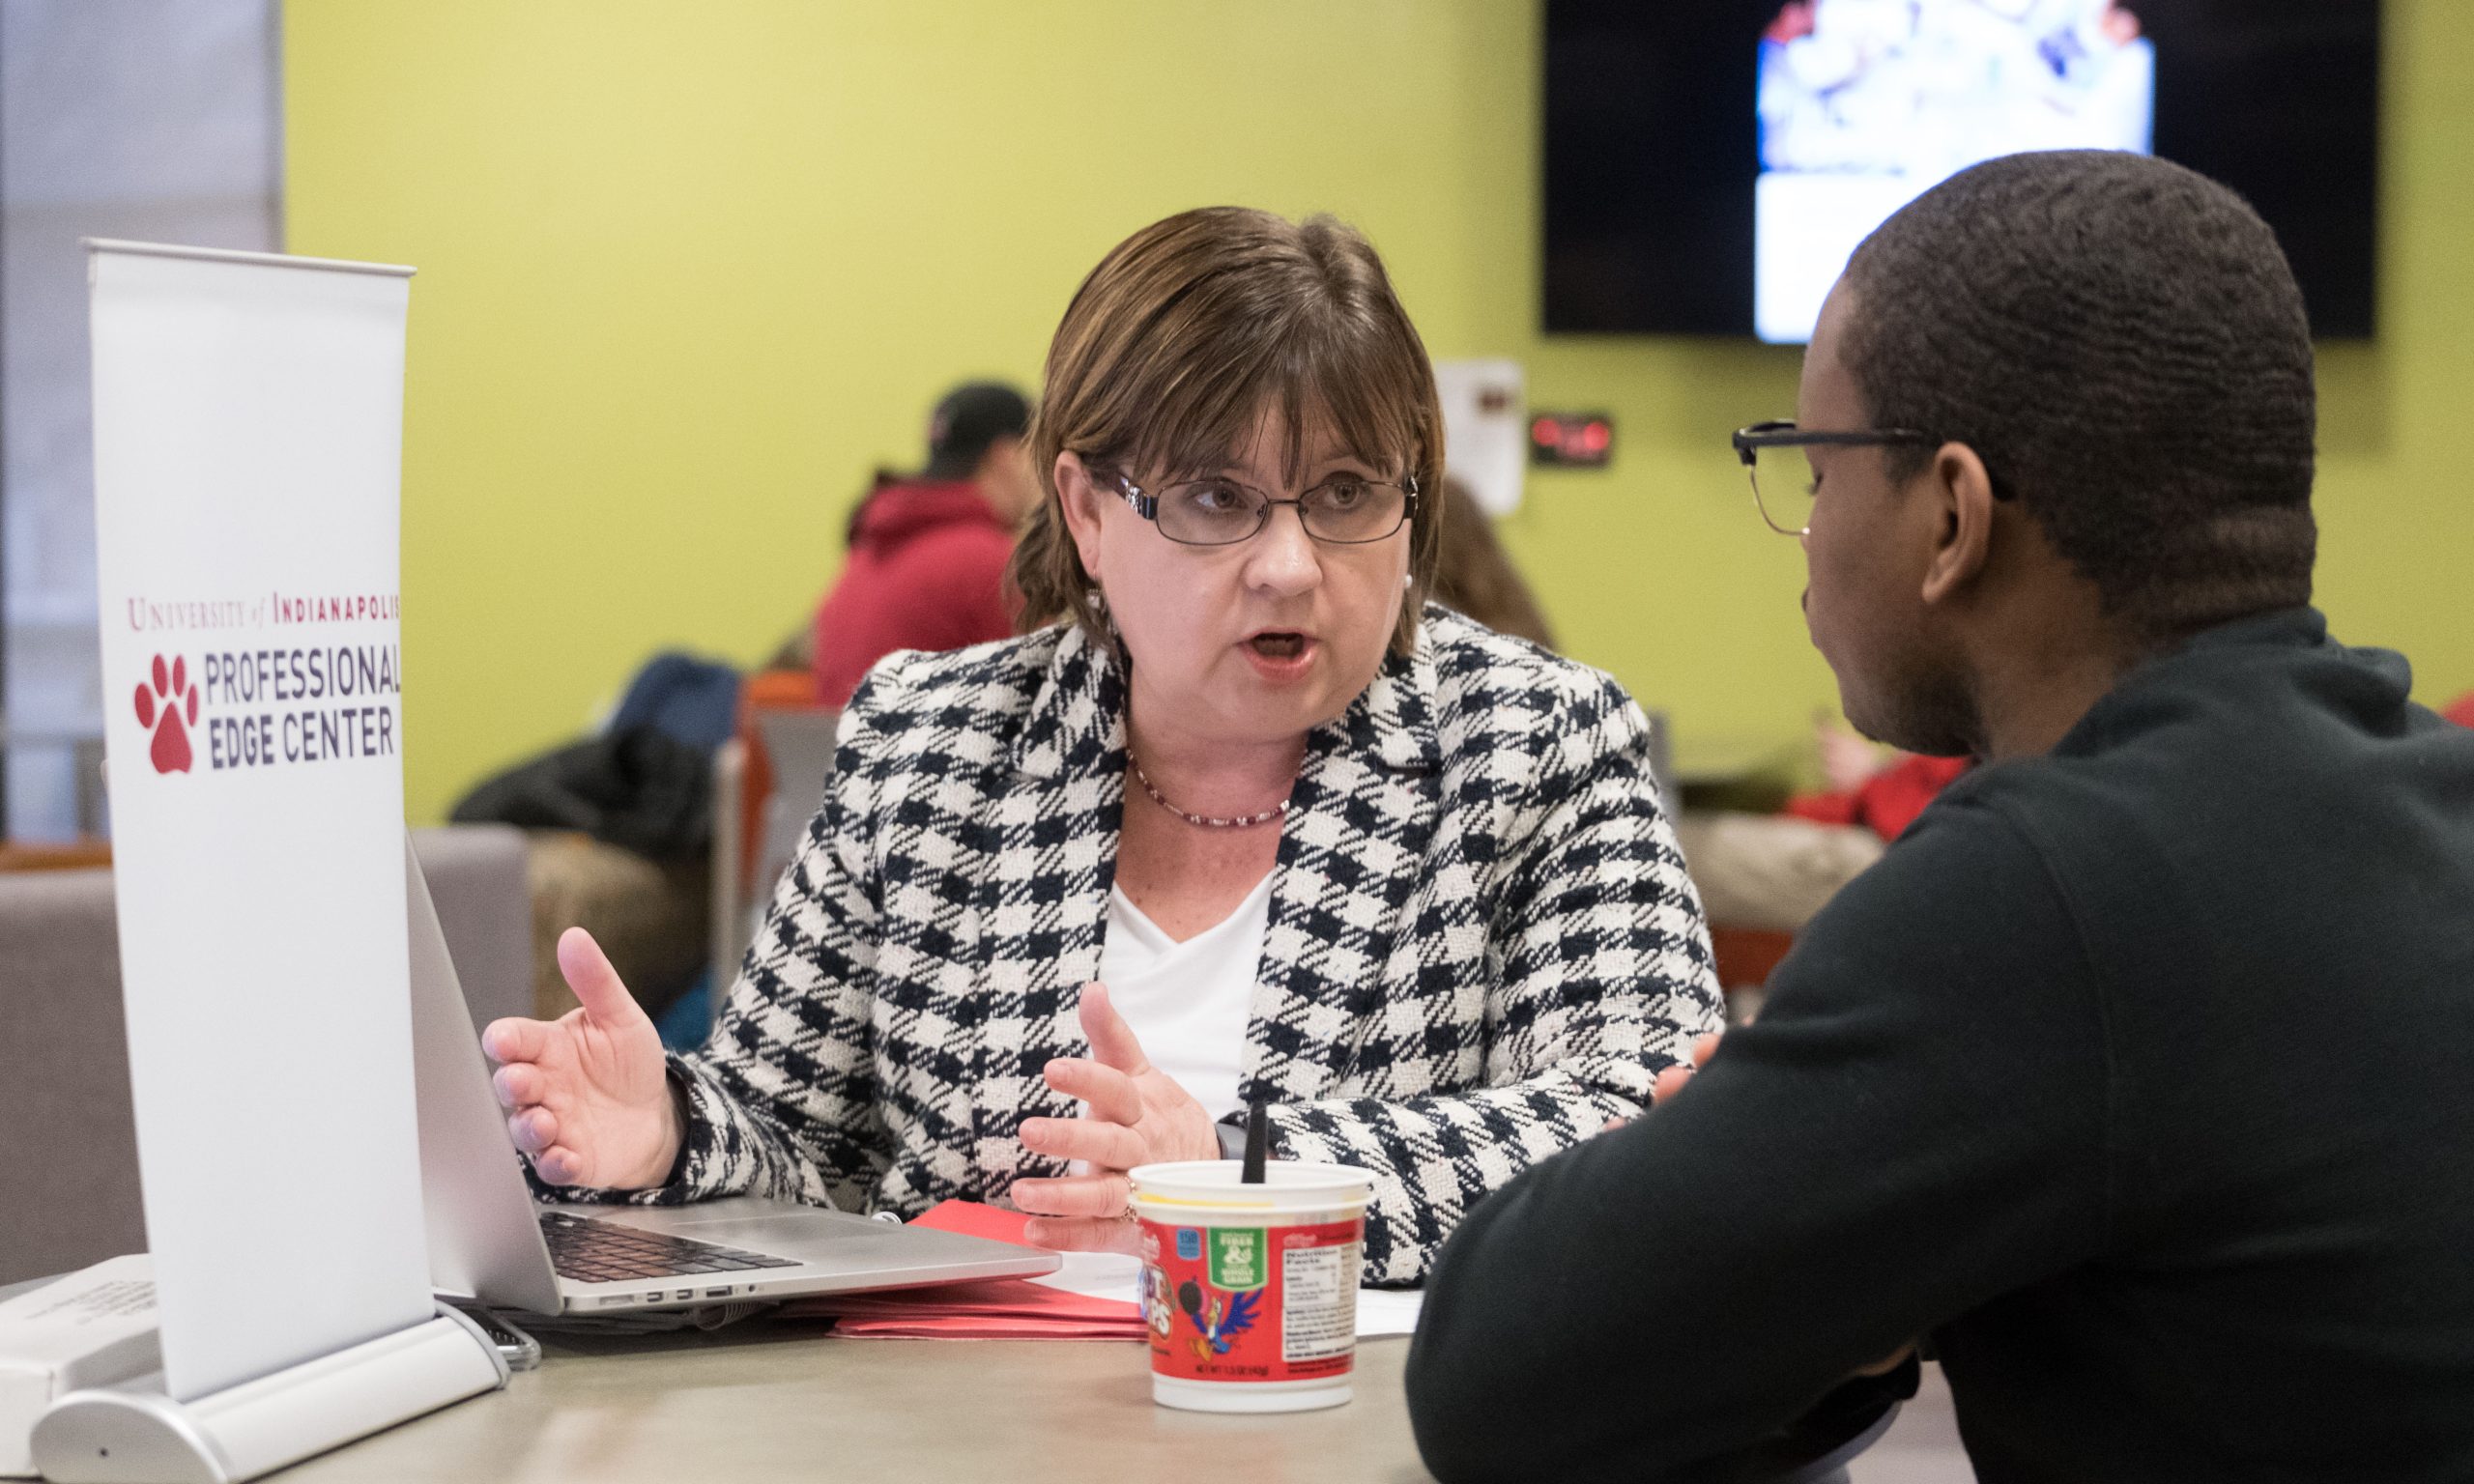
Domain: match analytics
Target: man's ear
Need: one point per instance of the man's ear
(1964, 492)
(1080, 498)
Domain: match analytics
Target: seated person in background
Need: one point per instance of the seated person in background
(927, 555)
(1772, 872)
(1866, 789)
(1474, 575)
(1307, 834)
(2133, 1076)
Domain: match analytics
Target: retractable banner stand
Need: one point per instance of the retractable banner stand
(249, 419)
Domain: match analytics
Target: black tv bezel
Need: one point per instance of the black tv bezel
(1641, 234)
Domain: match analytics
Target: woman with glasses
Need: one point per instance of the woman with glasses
(1242, 821)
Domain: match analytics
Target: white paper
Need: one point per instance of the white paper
(1486, 429)
(1380, 1311)
(90, 1329)
(248, 418)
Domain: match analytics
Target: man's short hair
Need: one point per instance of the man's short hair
(967, 420)
(2122, 342)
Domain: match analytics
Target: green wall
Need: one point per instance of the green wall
(688, 272)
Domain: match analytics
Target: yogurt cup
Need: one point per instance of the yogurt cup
(1250, 1290)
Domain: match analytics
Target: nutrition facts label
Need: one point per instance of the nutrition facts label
(1319, 1319)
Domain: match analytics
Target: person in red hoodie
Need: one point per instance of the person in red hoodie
(928, 553)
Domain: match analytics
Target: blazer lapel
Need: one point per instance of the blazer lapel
(1360, 823)
(1051, 848)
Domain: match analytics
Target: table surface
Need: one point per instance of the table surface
(783, 1399)
(786, 1401)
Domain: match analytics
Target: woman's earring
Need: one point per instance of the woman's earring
(1096, 601)
(1408, 579)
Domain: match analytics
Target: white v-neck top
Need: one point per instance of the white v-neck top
(1188, 1002)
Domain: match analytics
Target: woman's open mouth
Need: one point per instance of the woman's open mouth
(1280, 654)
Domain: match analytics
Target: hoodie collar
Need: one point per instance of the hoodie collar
(898, 512)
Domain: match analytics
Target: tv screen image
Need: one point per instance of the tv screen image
(1862, 106)
(1709, 166)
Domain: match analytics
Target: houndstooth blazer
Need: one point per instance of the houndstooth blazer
(1482, 946)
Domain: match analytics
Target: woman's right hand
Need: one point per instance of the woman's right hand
(588, 1095)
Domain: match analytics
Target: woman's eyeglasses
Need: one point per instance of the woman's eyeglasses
(1345, 509)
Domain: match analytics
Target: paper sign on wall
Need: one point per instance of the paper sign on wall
(1485, 442)
(248, 418)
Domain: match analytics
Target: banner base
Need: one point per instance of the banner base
(134, 1434)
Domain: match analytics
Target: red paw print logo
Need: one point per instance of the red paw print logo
(170, 706)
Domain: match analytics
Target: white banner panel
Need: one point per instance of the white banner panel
(248, 429)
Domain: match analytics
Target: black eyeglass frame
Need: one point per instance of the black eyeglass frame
(1147, 505)
(1779, 433)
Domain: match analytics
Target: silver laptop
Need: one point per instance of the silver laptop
(489, 1239)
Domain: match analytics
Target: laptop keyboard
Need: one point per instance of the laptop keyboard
(589, 1251)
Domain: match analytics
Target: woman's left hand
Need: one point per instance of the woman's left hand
(1133, 1114)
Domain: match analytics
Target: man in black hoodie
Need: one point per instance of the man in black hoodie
(2132, 1081)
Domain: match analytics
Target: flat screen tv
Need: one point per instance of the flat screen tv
(1711, 163)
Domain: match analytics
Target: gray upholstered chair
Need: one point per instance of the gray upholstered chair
(69, 1193)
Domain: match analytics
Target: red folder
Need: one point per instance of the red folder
(997, 1309)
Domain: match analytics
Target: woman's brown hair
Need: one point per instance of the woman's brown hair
(1179, 340)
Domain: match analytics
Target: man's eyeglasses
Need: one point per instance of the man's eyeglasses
(1782, 483)
(1345, 509)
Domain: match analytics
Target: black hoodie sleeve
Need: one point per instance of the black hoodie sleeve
(1916, 1124)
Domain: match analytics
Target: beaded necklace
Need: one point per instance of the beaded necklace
(1206, 821)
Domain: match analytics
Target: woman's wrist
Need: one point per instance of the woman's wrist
(664, 1167)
